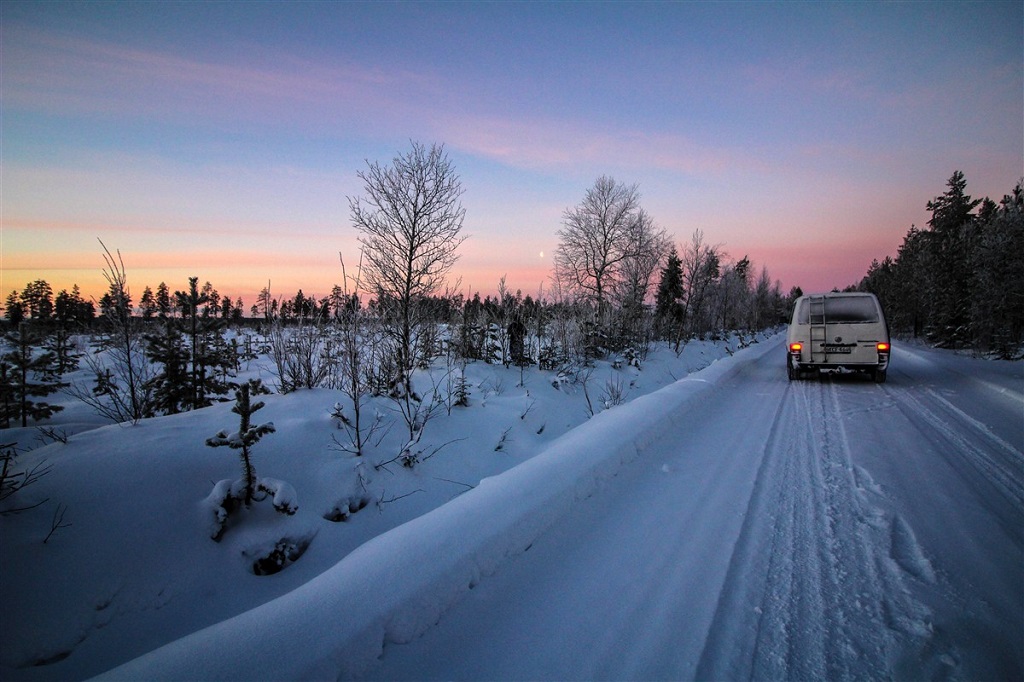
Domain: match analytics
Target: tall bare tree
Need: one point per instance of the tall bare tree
(596, 239)
(649, 245)
(410, 224)
(123, 390)
(701, 266)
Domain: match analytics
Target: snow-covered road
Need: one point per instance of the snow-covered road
(776, 530)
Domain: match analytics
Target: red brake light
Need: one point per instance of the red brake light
(883, 348)
(795, 347)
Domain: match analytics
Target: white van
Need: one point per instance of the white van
(838, 331)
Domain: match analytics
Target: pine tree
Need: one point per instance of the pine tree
(171, 388)
(212, 308)
(66, 314)
(950, 246)
(14, 310)
(163, 300)
(27, 374)
(147, 304)
(204, 337)
(265, 304)
(37, 300)
(668, 301)
(997, 305)
(80, 311)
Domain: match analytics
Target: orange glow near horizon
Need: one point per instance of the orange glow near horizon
(244, 276)
(233, 159)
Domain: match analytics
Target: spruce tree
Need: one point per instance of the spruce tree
(668, 301)
(951, 243)
(206, 353)
(27, 374)
(14, 309)
(172, 391)
(37, 300)
(147, 304)
(245, 438)
(163, 300)
(61, 340)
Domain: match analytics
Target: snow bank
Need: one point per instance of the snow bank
(396, 586)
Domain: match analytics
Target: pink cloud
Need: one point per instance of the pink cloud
(53, 72)
(540, 143)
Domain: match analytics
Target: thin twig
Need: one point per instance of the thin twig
(58, 521)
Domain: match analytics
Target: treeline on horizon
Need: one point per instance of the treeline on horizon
(170, 352)
(959, 282)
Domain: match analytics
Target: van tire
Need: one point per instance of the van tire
(879, 376)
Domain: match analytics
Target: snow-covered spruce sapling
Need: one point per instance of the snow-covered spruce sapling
(227, 494)
(246, 437)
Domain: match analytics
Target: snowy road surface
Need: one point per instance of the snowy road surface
(733, 525)
(779, 530)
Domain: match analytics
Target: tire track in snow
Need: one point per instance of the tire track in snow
(999, 468)
(813, 590)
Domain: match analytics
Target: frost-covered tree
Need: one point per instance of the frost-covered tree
(701, 264)
(228, 494)
(732, 296)
(247, 435)
(171, 387)
(206, 351)
(997, 310)
(122, 390)
(356, 340)
(595, 240)
(649, 246)
(409, 221)
(668, 301)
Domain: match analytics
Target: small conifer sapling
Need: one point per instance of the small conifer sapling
(245, 438)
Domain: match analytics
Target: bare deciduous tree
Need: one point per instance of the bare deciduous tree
(409, 221)
(124, 390)
(596, 239)
(649, 244)
(701, 269)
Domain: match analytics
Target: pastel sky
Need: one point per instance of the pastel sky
(222, 140)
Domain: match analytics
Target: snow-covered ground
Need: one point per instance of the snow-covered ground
(731, 524)
(137, 568)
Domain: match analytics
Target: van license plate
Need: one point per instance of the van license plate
(837, 349)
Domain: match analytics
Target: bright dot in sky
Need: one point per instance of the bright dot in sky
(541, 254)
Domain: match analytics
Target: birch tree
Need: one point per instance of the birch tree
(410, 223)
(595, 239)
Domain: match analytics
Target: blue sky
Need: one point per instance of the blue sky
(222, 139)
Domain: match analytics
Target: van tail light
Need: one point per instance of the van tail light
(797, 347)
(883, 348)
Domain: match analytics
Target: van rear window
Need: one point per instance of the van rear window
(842, 309)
